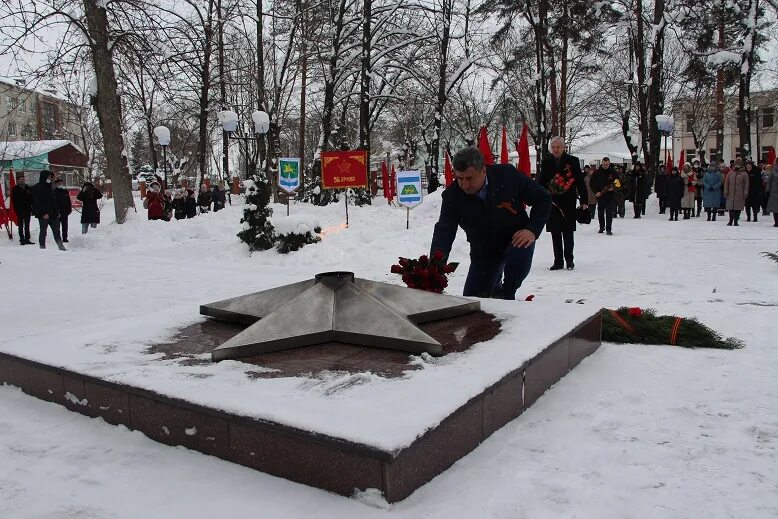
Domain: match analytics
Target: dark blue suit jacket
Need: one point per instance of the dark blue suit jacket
(490, 225)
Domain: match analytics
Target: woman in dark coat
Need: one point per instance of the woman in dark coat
(90, 213)
(639, 188)
(659, 188)
(562, 222)
(204, 199)
(219, 197)
(675, 188)
(191, 203)
(755, 191)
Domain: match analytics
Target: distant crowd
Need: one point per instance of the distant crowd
(181, 202)
(717, 188)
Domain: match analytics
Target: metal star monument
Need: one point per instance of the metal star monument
(334, 307)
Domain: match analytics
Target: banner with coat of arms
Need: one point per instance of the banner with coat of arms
(289, 174)
(344, 169)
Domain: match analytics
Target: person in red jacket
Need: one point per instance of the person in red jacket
(155, 202)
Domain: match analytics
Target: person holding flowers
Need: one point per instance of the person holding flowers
(488, 203)
(603, 185)
(561, 175)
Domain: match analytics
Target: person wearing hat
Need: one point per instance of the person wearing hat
(90, 213)
(64, 205)
(755, 191)
(674, 189)
(690, 181)
(712, 181)
(772, 192)
(736, 191)
(155, 202)
(46, 211)
(21, 200)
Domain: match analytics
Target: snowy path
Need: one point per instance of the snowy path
(632, 432)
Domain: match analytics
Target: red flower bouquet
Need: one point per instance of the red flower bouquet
(635, 311)
(561, 183)
(425, 273)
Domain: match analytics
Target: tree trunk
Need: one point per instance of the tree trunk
(109, 109)
(655, 91)
(205, 92)
(720, 89)
(223, 99)
(440, 103)
(744, 91)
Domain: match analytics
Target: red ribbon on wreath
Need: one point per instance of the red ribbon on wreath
(624, 324)
(674, 330)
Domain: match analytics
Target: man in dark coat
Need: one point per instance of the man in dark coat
(639, 187)
(755, 191)
(674, 190)
(562, 222)
(21, 198)
(659, 187)
(90, 212)
(488, 202)
(64, 207)
(45, 205)
(603, 186)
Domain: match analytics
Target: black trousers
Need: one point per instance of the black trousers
(24, 228)
(662, 206)
(52, 222)
(756, 212)
(564, 243)
(605, 214)
(63, 222)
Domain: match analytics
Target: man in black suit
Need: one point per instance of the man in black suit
(562, 222)
(488, 202)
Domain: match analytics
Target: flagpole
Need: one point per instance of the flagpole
(407, 217)
(345, 192)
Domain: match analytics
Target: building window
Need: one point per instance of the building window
(738, 153)
(712, 155)
(690, 122)
(9, 103)
(768, 117)
(22, 106)
(690, 156)
(33, 105)
(11, 128)
(765, 153)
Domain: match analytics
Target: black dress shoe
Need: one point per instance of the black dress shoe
(556, 267)
(609, 233)
(64, 240)
(570, 266)
(601, 231)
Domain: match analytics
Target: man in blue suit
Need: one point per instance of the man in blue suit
(488, 202)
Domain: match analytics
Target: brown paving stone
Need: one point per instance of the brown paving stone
(434, 452)
(205, 336)
(47, 384)
(5, 370)
(108, 401)
(304, 461)
(545, 370)
(507, 400)
(174, 425)
(585, 341)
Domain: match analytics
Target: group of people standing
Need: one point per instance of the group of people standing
(50, 203)
(182, 202)
(610, 186)
(717, 189)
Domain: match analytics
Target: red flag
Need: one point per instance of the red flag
(682, 160)
(344, 169)
(525, 165)
(669, 161)
(771, 156)
(11, 211)
(504, 146)
(483, 145)
(4, 216)
(385, 178)
(448, 171)
(392, 184)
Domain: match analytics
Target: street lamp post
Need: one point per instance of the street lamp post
(665, 124)
(163, 136)
(229, 122)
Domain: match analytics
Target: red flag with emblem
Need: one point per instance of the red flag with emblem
(525, 165)
(12, 216)
(483, 146)
(448, 170)
(504, 146)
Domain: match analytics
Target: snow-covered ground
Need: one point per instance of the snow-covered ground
(634, 431)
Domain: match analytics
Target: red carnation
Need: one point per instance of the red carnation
(424, 260)
(438, 255)
(635, 311)
(404, 262)
(530, 297)
(396, 269)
